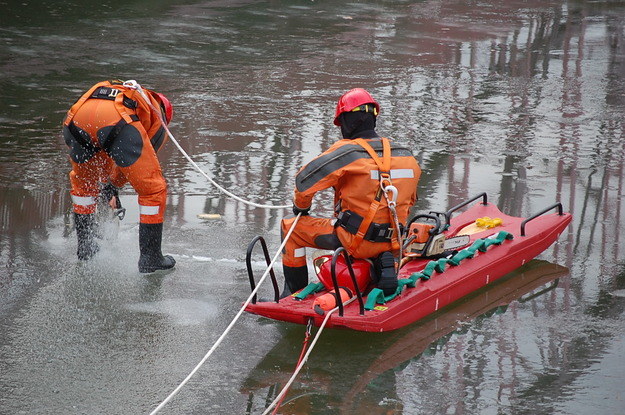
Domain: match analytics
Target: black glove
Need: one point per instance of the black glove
(108, 192)
(297, 211)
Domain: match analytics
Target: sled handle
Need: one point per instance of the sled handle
(482, 195)
(557, 205)
(250, 274)
(335, 256)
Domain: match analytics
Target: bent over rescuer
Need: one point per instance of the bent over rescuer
(357, 167)
(113, 135)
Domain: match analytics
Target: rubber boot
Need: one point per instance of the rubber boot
(85, 231)
(385, 268)
(295, 278)
(152, 259)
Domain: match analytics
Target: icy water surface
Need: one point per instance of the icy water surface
(524, 100)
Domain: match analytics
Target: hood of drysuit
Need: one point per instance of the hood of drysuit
(358, 124)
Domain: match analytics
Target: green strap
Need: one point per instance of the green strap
(312, 288)
(404, 282)
(480, 245)
(376, 296)
(462, 255)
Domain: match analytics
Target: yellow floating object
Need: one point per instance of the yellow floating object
(487, 222)
(209, 216)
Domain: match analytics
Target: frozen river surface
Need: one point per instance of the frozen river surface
(524, 100)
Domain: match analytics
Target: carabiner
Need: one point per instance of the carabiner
(392, 201)
(131, 83)
(385, 180)
(120, 213)
(309, 327)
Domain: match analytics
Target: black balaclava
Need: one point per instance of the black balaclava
(359, 124)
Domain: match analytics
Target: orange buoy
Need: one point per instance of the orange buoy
(327, 302)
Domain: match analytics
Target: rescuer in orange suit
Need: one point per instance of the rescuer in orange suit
(113, 135)
(357, 167)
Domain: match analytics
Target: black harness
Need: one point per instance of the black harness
(377, 232)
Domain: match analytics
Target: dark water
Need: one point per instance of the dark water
(522, 99)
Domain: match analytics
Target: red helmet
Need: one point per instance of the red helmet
(167, 107)
(353, 99)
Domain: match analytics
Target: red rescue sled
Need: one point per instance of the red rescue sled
(496, 245)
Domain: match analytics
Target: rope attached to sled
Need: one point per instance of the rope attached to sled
(299, 360)
(303, 361)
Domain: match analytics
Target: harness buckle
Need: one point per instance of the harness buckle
(385, 180)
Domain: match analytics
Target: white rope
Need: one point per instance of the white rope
(236, 318)
(134, 85)
(392, 206)
(299, 367)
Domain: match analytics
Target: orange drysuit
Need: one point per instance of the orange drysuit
(363, 223)
(113, 135)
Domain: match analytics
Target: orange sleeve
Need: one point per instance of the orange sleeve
(321, 173)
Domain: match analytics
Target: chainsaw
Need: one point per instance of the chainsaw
(425, 239)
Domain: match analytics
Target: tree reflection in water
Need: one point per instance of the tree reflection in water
(521, 99)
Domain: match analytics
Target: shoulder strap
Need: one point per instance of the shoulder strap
(74, 109)
(122, 104)
(384, 165)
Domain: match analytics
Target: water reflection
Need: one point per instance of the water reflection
(523, 100)
(24, 218)
(354, 390)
